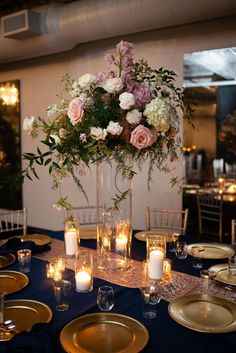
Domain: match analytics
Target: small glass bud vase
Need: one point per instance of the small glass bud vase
(84, 271)
(71, 236)
(156, 250)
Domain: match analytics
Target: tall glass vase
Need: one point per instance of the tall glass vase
(114, 200)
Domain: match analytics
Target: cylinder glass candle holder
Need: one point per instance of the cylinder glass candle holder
(84, 271)
(156, 250)
(71, 236)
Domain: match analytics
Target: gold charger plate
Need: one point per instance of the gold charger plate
(204, 313)
(38, 239)
(6, 260)
(104, 332)
(223, 275)
(143, 234)
(25, 313)
(88, 233)
(12, 281)
(211, 250)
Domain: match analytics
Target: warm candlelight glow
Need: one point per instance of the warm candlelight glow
(57, 276)
(71, 241)
(156, 264)
(83, 281)
(121, 242)
(50, 270)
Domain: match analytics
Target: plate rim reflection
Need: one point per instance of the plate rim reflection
(138, 235)
(65, 336)
(11, 258)
(224, 247)
(174, 310)
(17, 274)
(89, 236)
(217, 269)
(31, 237)
(25, 302)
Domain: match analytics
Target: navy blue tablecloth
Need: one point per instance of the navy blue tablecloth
(166, 335)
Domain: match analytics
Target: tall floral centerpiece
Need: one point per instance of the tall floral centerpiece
(129, 113)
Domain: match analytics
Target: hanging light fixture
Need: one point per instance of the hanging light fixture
(9, 93)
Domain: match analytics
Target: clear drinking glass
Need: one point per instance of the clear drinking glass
(150, 295)
(180, 250)
(24, 259)
(105, 298)
(197, 261)
(172, 243)
(61, 292)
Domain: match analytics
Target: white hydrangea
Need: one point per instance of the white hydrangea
(98, 133)
(114, 128)
(113, 85)
(76, 89)
(158, 113)
(127, 100)
(52, 109)
(86, 80)
(134, 117)
(28, 124)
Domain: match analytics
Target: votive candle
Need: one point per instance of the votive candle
(83, 281)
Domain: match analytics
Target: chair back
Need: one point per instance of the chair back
(210, 214)
(87, 215)
(233, 232)
(171, 220)
(218, 167)
(13, 220)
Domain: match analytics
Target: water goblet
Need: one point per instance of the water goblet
(105, 298)
(61, 292)
(180, 250)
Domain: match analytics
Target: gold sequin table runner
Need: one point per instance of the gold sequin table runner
(181, 283)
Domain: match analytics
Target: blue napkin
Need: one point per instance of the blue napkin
(37, 340)
(14, 244)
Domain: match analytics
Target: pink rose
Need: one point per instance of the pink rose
(76, 111)
(142, 137)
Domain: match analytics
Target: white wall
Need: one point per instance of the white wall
(40, 82)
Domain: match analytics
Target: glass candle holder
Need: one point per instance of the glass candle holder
(71, 236)
(156, 250)
(84, 271)
(167, 274)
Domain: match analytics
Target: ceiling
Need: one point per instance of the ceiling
(10, 6)
(210, 68)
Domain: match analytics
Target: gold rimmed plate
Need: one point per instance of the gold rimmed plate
(88, 233)
(38, 239)
(12, 281)
(104, 332)
(6, 260)
(204, 313)
(211, 250)
(170, 236)
(222, 274)
(25, 313)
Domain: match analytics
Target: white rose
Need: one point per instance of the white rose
(28, 124)
(126, 100)
(57, 139)
(134, 117)
(86, 80)
(113, 85)
(98, 133)
(114, 128)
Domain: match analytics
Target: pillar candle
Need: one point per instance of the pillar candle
(121, 243)
(156, 264)
(83, 281)
(71, 243)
